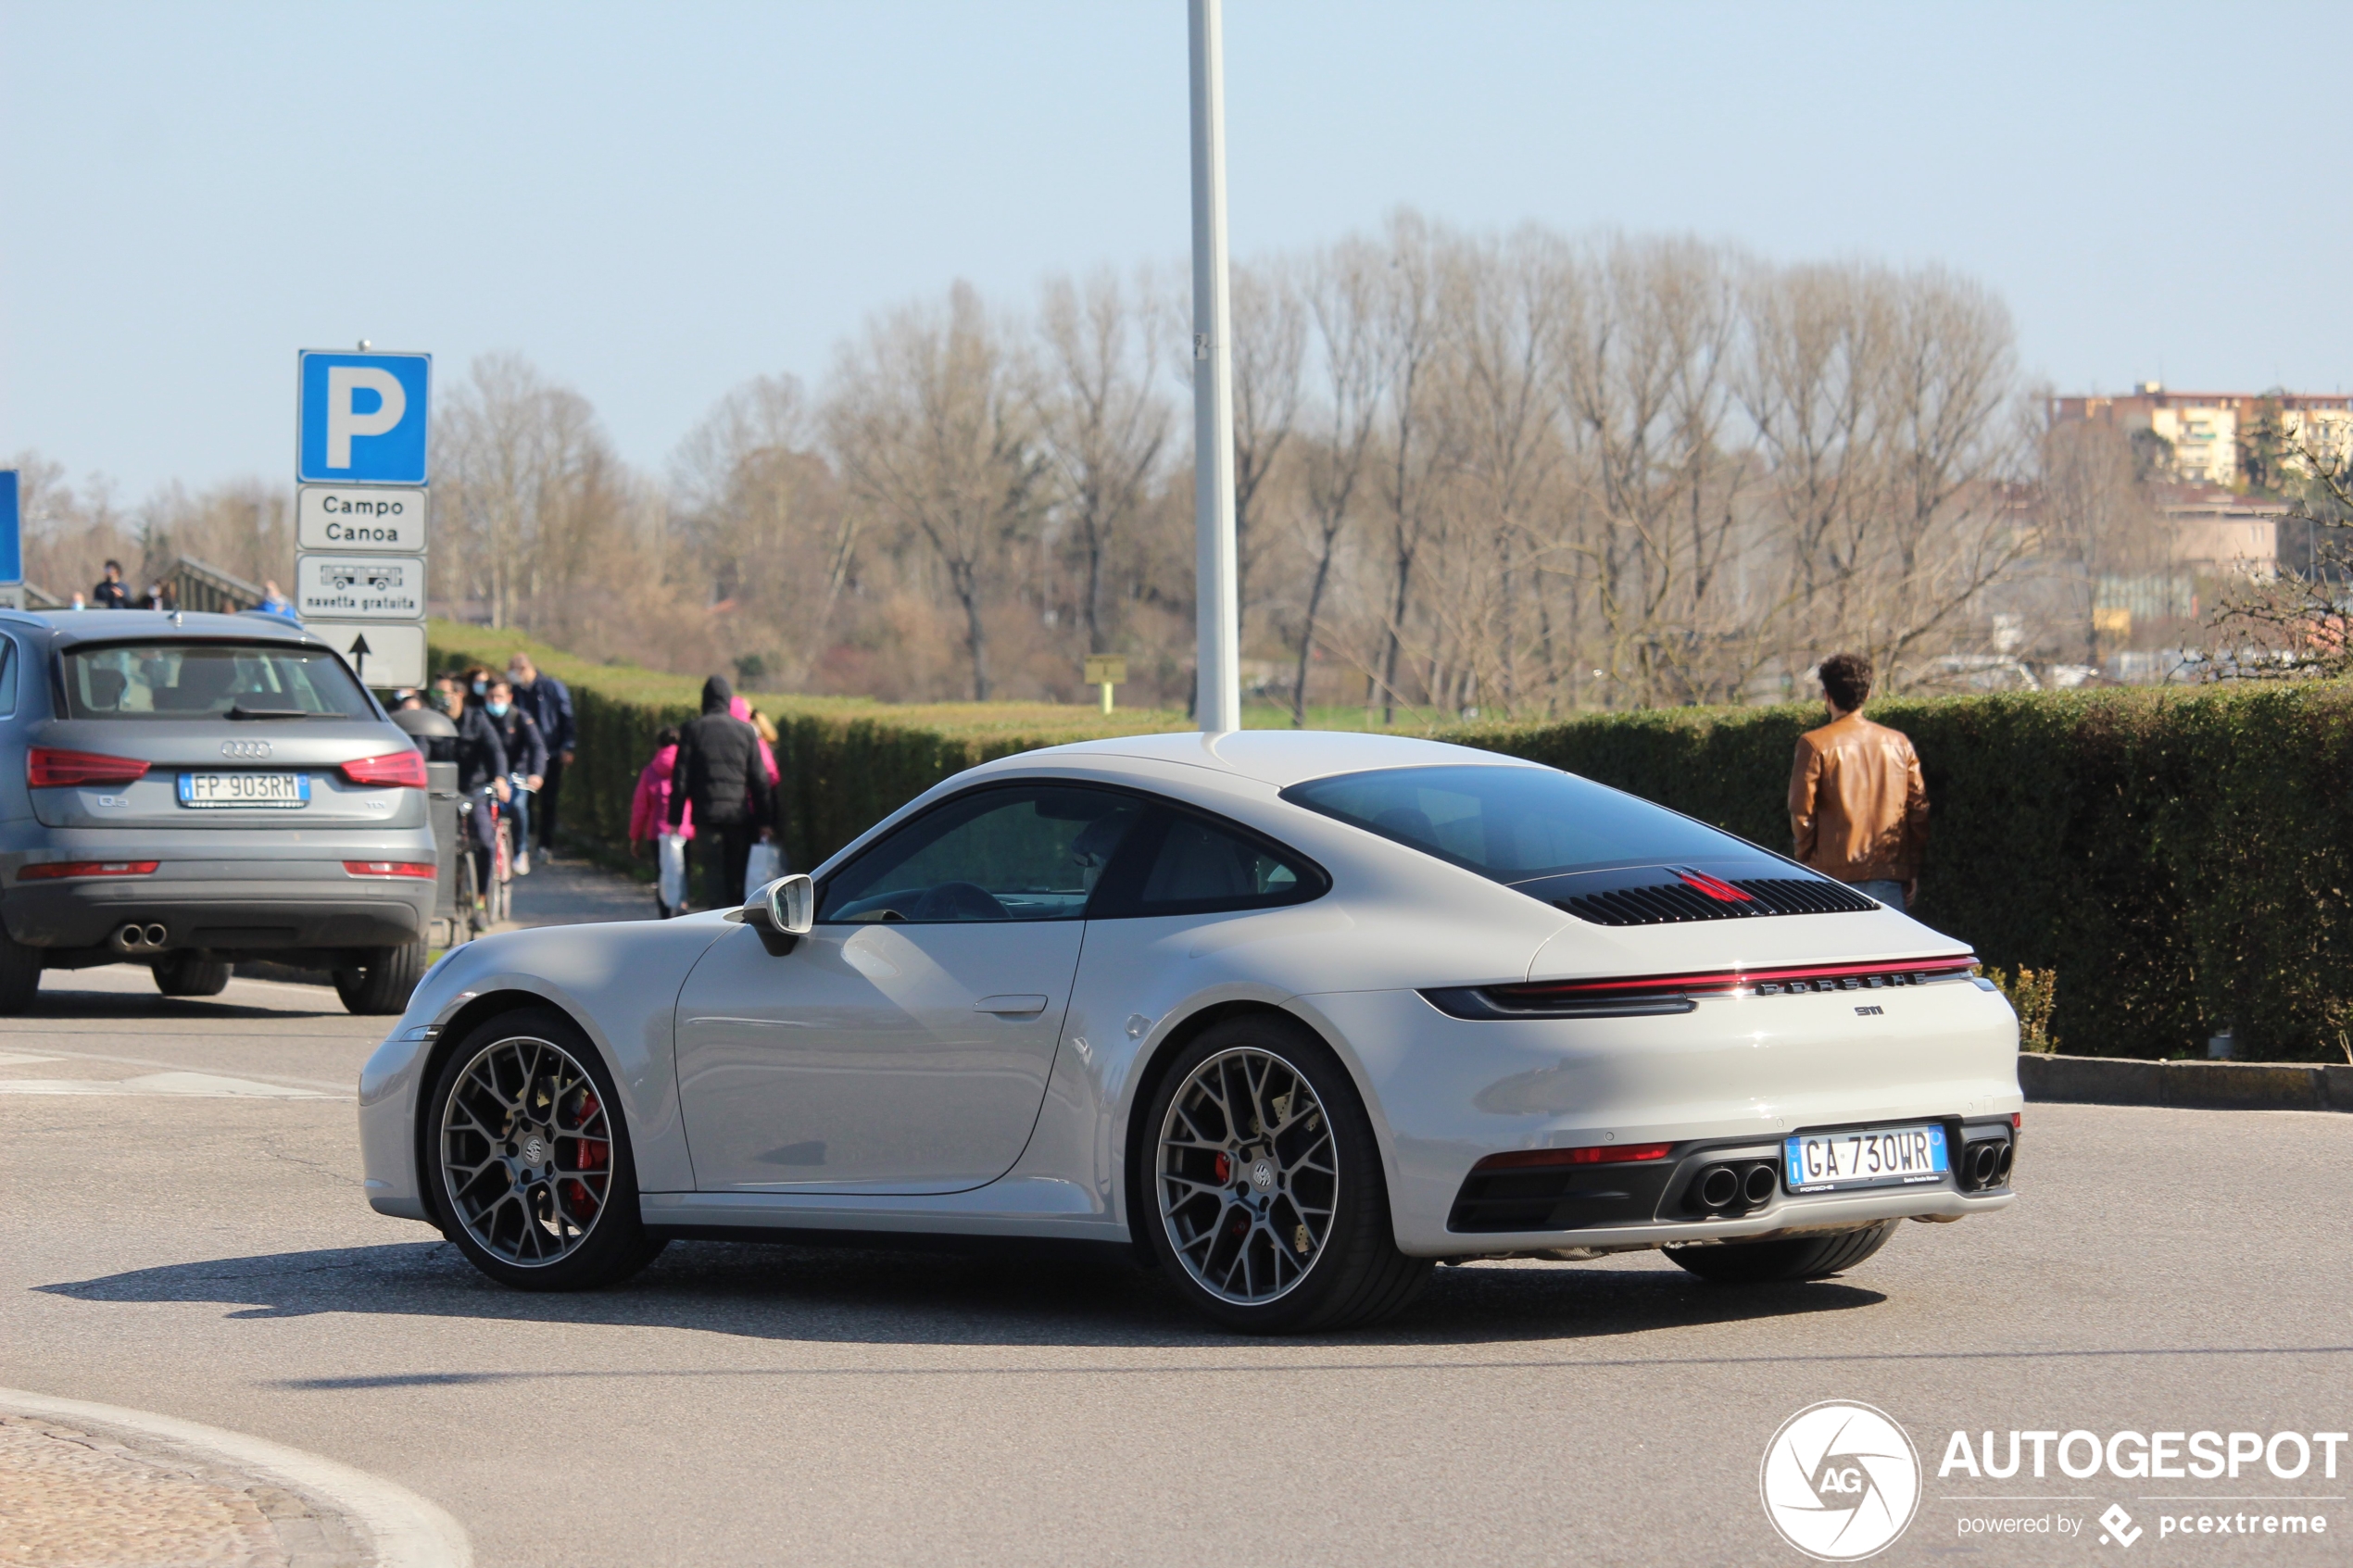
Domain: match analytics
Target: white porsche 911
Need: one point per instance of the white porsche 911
(1296, 1014)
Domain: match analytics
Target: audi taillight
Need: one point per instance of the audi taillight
(405, 769)
(392, 868)
(50, 870)
(50, 767)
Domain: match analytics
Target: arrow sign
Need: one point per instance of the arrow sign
(383, 656)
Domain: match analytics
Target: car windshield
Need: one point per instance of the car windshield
(1514, 824)
(217, 680)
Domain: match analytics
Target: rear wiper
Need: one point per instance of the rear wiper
(240, 711)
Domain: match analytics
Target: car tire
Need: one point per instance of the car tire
(383, 980)
(572, 1222)
(191, 974)
(20, 974)
(1772, 1262)
(1275, 1187)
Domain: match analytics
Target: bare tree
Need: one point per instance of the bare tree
(1100, 426)
(927, 424)
(759, 513)
(1342, 300)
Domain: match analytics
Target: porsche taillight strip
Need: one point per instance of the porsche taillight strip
(1635, 996)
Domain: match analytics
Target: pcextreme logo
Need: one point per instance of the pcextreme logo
(1840, 1481)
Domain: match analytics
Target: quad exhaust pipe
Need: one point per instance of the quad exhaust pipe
(137, 938)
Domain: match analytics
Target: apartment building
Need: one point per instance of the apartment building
(2204, 428)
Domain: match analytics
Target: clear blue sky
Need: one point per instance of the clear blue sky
(657, 202)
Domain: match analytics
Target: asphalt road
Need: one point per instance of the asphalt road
(175, 1243)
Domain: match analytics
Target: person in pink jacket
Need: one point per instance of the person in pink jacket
(742, 708)
(650, 818)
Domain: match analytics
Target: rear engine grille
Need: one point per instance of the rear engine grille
(1692, 896)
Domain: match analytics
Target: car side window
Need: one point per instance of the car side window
(1181, 865)
(1019, 852)
(8, 676)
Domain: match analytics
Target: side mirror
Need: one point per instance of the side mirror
(783, 912)
(792, 904)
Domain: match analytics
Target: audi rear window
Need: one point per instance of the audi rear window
(1514, 824)
(210, 681)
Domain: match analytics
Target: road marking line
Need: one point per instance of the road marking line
(328, 1086)
(17, 1059)
(186, 1086)
(408, 1531)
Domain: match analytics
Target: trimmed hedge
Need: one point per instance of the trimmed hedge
(847, 761)
(2181, 859)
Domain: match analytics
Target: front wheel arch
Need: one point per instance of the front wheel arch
(464, 1021)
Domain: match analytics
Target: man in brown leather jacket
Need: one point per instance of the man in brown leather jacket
(1856, 805)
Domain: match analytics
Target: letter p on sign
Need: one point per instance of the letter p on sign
(362, 418)
(345, 383)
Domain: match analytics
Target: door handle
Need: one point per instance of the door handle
(1011, 1004)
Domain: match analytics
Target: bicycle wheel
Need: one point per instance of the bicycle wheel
(502, 869)
(465, 922)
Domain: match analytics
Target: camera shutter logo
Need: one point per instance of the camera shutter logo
(1840, 1480)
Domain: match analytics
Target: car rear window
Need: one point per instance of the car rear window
(209, 680)
(1514, 824)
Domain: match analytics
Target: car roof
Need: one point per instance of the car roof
(68, 627)
(1283, 757)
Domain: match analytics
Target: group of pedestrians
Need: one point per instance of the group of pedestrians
(515, 737)
(713, 784)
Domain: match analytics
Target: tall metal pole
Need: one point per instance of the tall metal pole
(1219, 693)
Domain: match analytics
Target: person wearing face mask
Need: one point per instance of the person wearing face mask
(547, 700)
(526, 761)
(481, 757)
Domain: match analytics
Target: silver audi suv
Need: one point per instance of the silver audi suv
(183, 791)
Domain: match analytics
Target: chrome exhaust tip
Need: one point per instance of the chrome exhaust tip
(157, 935)
(1758, 1186)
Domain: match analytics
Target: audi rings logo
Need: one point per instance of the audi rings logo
(1840, 1481)
(251, 750)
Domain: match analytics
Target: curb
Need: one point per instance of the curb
(2205, 1086)
(406, 1530)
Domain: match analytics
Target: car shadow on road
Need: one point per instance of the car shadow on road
(81, 1006)
(842, 1295)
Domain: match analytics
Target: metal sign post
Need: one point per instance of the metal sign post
(1106, 669)
(361, 508)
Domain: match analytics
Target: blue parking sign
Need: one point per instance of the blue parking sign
(362, 418)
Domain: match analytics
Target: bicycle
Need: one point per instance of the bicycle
(502, 862)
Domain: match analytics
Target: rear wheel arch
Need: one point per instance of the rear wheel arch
(1137, 1138)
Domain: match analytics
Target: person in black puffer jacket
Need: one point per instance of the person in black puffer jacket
(719, 773)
